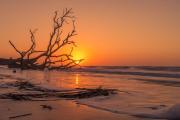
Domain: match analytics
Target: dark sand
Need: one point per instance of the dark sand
(61, 110)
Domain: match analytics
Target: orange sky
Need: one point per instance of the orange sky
(110, 32)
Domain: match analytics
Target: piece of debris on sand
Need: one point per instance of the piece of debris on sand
(18, 116)
(48, 107)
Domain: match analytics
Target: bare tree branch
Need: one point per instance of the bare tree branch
(14, 47)
(57, 41)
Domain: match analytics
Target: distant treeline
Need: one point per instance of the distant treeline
(4, 61)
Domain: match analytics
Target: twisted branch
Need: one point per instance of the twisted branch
(55, 44)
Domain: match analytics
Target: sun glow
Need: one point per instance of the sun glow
(77, 62)
(78, 55)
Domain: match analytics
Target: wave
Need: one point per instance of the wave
(147, 68)
(134, 71)
(160, 68)
(160, 82)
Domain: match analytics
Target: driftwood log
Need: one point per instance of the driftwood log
(52, 57)
(29, 91)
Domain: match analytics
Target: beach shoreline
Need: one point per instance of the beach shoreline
(135, 100)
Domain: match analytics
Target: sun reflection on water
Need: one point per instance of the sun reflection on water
(77, 80)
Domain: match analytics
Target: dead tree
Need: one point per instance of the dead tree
(52, 57)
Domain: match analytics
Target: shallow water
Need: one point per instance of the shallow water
(139, 93)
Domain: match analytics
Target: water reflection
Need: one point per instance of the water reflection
(47, 76)
(77, 80)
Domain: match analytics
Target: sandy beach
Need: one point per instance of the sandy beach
(61, 109)
(135, 99)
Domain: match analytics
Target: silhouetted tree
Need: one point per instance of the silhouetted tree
(52, 57)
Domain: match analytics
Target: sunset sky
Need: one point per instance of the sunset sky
(110, 32)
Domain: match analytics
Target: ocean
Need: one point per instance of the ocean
(146, 91)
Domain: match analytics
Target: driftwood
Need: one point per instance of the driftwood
(76, 94)
(23, 115)
(25, 85)
(31, 92)
(53, 56)
(46, 107)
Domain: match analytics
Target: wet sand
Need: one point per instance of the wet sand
(61, 110)
(140, 96)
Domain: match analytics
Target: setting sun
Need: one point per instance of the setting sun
(78, 55)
